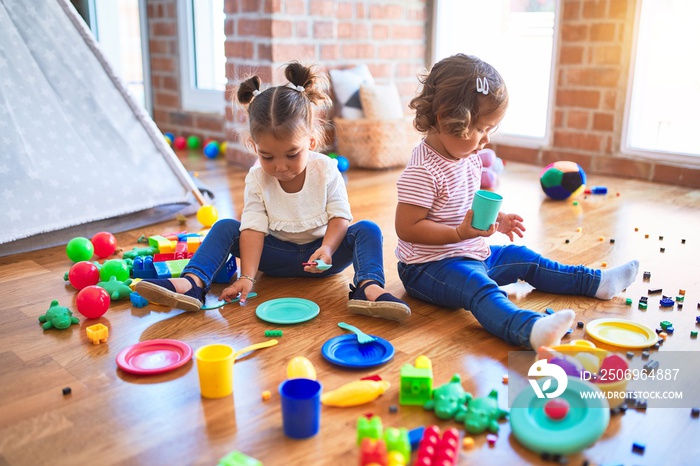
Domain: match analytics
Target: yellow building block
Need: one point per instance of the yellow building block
(97, 333)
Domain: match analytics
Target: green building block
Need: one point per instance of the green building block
(272, 333)
(665, 324)
(628, 301)
(642, 305)
(416, 382)
(396, 439)
(236, 458)
(680, 298)
(369, 428)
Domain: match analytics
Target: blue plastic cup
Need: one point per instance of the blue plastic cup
(301, 407)
(486, 206)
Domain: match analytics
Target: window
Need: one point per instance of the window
(202, 56)
(516, 37)
(662, 113)
(123, 38)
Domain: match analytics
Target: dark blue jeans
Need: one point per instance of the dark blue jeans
(362, 247)
(459, 282)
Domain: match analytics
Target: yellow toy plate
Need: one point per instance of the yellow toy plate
(622, 333)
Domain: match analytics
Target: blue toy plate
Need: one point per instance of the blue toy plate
(345, 351)
(287, 310)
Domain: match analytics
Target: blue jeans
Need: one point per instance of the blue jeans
(362, 247)
(459, 282)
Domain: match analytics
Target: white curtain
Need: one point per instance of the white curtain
(74, 147)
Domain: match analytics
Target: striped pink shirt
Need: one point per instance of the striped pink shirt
(446, 188)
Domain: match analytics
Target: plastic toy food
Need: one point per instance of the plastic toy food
(355, 393)
(58, 317)
(301, 368)
(482, 414)
(448, 398)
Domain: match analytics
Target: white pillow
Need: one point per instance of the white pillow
(346, 87)
(381, 102)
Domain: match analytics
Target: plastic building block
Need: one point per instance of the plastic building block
(695, 413)
(227, 271)
(693, 334)
(680, 298)
(549, 311)
(645, 354)
(603, 264)
(580, 324)
(394, 458)
(416, 382)
(170, 269)
(596, 190)
(482, 414)
(629, 355)
(642, 305)
(266, 395)
(236, 458)
(663, 335)
(670, 330)
(58, 317)
(161, 243)
(396, 440)
(97, 333)
(612, 240)
(661, 238)
(491, 439)
(650, 366)
(67, 391)
(644, 299)
(646, 276)
(137, 300)
(415, 436)
(628, 301)
(504, 379)
(638, 448)
(436, 450)
(665, 324)
(448, 398)
(373, 452)
(273, 333)
(662, 249)
(393, 409)
(193, 243)
(143, 267)
(369, 428)
(172, 256)
(655, 290)
(468, 443)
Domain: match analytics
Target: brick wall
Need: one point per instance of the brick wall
(165, 78)
(261, 36)
(591, 75)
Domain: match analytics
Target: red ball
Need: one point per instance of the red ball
(556, 409)
(180, 142)
(105, 244)
(83, 274)
(92, 301)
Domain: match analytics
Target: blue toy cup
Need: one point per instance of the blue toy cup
(486, 206)
(301, 407)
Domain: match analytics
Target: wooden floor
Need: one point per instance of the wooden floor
(113, 417)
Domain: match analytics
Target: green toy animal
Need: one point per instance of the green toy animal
(482, 414)
(117, 290)
(58, 317)
(449, 398)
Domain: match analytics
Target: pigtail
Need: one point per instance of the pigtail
(248, 89)
(311, 80)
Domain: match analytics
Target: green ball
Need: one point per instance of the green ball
(80, 249)
(193, 142)
(333, 155)
(114, 268)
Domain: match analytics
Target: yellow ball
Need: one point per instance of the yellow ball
(222, 148)
(207, 215)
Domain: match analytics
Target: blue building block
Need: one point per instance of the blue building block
(162, 270)
(143, 267)
(227, 271)
(415, 436)
(137, 300)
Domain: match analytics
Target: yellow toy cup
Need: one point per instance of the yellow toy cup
(215, 368)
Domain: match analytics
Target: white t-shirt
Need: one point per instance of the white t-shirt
(299, 217)
(446, 188)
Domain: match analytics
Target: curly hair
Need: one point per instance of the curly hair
(290, 110)
(452, 95)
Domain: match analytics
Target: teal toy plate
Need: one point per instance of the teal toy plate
(582, 426)
(287, 310)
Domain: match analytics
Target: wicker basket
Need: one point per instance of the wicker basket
(376, 143)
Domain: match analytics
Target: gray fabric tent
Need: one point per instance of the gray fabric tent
(77, 153)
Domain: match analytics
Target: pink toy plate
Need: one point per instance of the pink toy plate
(154, 356)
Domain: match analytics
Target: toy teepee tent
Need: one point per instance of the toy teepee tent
(75, 148)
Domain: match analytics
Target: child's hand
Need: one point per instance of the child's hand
(242, 286)
(323, 253)
(466, 231)
(510, 224)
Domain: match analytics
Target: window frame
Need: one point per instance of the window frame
(518, 140)
(626, 150)
(192, 98)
